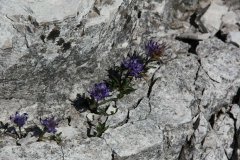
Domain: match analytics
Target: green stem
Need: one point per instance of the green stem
(40, 138)
(20, 132)
(93, 107)
(147, 61)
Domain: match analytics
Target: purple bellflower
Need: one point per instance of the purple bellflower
(18, 119)
(50, 124)
(135, 65)
(155, 49)
(100, 91)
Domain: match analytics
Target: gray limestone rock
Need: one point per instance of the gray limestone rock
(230, 18)
(95, 148)
(212, 18)
(141, 111)
(224, 128)
(234, 38)
(172, 95)
(144, 136)
(218, 76)
(182, 109)
(213, 148)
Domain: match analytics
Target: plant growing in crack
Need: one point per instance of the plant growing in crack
(133, 67)
(98, 130)
(18, 131)
(19, 120)
(49, 126)
(97, 93)
(15, 130)
(120, 81)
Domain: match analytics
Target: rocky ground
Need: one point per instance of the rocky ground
(187, 109)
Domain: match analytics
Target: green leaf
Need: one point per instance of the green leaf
(127, 90)
(113, 84)
(115, 76)
(101, 128)
(57, 138)
(126, 82)
(121, 95)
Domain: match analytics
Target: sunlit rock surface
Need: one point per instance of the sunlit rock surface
(188, 107)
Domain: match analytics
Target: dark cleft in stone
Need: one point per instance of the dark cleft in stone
(60, 41)
(53, 34)
(66, 46)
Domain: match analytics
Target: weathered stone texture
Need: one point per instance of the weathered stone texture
(185, 109)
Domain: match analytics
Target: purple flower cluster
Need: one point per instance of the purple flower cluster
(134, 65)
(154, 48)
(100, 91)
(50, 124)
(18, 119)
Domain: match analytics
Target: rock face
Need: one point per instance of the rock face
(211, 19)
(187, 109)
(234, 37)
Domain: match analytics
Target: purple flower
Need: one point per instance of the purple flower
(50, 124)
(18, 119)
(154, 49)
(134, 64)
(100, 91)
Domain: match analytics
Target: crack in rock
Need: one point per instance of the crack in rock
(191, 42)
(210, 76)
(125, 121)
(138, 132)
(114, 155)
(138, 102)
(236, 98)
(141, 112)
(199, 61)
(197, 73)
(152, 82)
(63, 157)
(235, 143)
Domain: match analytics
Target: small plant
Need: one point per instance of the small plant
(119, 80)
(101, 128)
(99, 91)
(20, 121)
(134, 65)
(49, 126)
(18, 131)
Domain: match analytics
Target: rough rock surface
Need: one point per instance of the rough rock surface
(234, 37)
(187, 109)
(211, 19)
